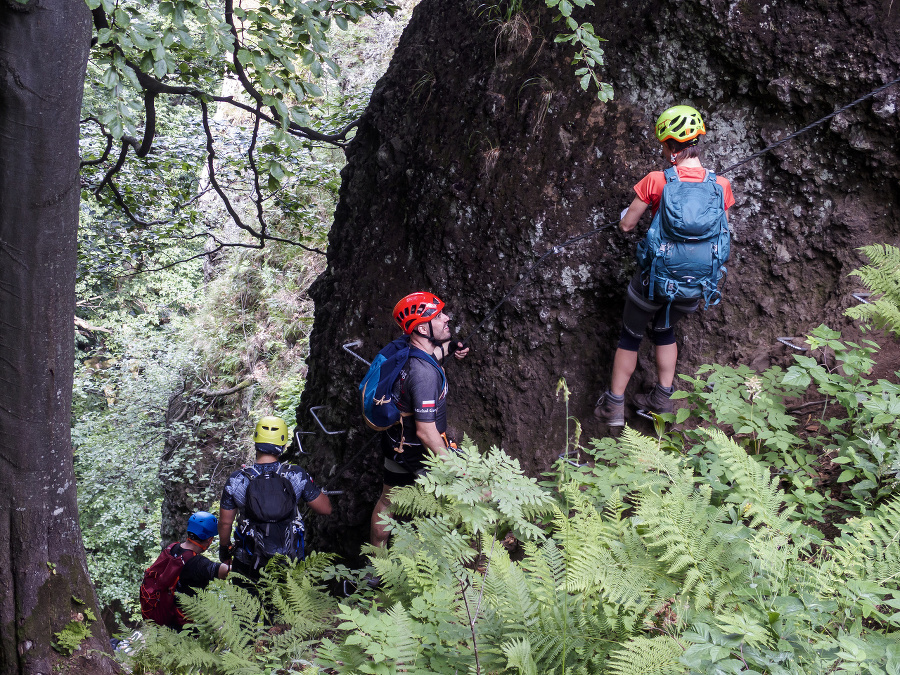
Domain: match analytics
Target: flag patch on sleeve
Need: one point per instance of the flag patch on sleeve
(428, 404)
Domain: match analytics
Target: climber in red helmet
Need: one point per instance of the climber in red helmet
(420, 394)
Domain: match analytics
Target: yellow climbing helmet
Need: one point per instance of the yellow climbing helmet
(271, 430)
(681, 123)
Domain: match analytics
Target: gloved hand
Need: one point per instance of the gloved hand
(226, 552)
(455, 346)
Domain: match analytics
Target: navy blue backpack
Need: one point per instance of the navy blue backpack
(688, 243)
(378, 408)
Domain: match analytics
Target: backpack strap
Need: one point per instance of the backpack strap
(671, 175)
(186, 553)
(425, 356)
(251, 472)
(710, 176)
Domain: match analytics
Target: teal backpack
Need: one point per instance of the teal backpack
(688, 243)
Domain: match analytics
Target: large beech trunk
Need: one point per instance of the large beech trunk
(43, 56)
(479, 152)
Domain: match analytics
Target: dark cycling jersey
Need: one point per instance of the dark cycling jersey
(234, 494)
(421, 390)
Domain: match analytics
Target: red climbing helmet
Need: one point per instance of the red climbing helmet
(415, 309)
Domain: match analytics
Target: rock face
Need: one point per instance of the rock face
(479, 152)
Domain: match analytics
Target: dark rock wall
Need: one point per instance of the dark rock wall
(478, 153)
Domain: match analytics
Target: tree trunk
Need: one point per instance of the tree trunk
(44, 581)
(479, 152)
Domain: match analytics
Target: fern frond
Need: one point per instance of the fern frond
(869, 547)
(754, 487)
(707, 554)
(647, 656)
(605, 556)
(508, 590)
(228, 612)
(518, 656)
(882, 277)
(302, 605)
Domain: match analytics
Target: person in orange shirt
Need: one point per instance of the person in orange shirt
(679, 130)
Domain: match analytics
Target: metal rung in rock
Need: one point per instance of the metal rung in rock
(567, 458)
(861, 297)
(297, 435)
(789, 342)
(355, 343)
(312, 411)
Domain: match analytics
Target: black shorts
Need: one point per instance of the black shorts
(399, 468)
(640, 310)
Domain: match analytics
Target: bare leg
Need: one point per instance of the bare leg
(624, 364)
(378, 535)
(666, 358)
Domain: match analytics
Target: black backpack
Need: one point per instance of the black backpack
(271, 522)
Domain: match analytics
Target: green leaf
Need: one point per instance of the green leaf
(797, 377)
(682, 413)
(341, 22)
(846, 474)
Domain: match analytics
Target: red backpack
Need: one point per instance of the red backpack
(158, 588)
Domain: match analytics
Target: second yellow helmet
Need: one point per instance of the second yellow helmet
(271, 430)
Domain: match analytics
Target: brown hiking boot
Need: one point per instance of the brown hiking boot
(609, 412)
(657, 401)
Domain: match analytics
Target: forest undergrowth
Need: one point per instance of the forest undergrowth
(157, 341)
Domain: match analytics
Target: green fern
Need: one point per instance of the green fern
(605, 554)
(869, 548)
(480, 493)
(882, 278)
(519, 656)
(754, 488)
(230, 632)
(647, 656)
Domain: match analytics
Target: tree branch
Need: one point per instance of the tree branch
(84, 325)
(109, 143)
(149, 123)
(226, 392)
(238, 67)
(257, 196)
(153, 87)
(117, 196)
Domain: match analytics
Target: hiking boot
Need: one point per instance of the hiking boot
(610, 412)
(658, 401)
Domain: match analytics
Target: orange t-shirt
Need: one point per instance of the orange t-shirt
(650, 187)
